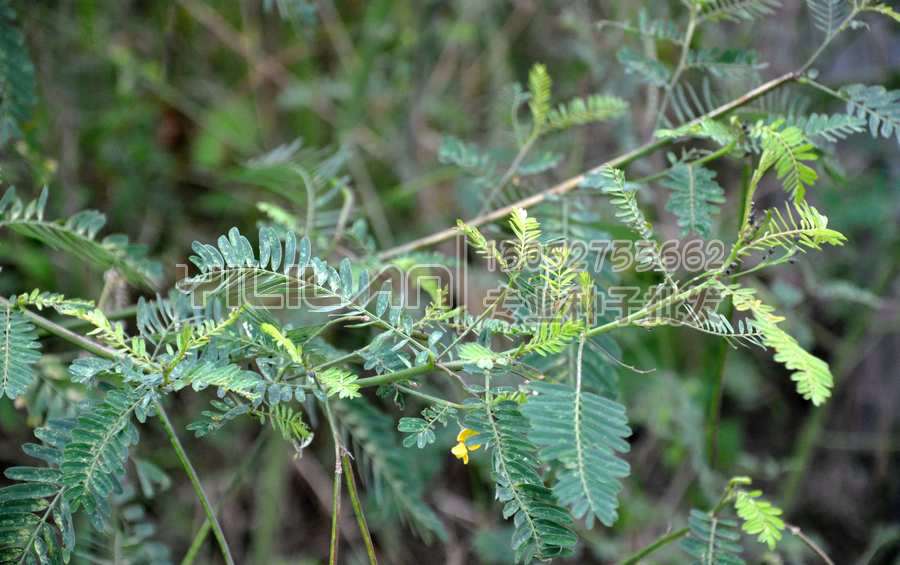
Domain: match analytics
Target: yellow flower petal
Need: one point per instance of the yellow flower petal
(460, 451)
(465, 434)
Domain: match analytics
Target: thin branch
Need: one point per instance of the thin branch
(573, 182)
(651, 309)
(335, 510)
(513, 167)
(236, 479)
(429, 398)
(660, 543)
(830, 37)
(357, 508)
(682, 64)
(725, 150)
(76, 323)
(810, 543)
(403, 375)
(336, 486)
(195, 482)
(481, 317)
(75, 339)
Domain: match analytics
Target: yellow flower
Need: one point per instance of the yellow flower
(461, 450)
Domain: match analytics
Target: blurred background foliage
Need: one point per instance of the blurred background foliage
(151, 111)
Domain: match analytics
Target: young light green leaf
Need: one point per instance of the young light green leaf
(761, 518)
(339, 382)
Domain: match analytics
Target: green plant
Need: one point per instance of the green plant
(535, 396)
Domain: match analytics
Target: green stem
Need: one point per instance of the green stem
(269, 487)
(715, 154)
(650, 309)
(236, 479)
(79, 341)
(337, 361)
(715, 400)
(660, 543)
(75, 323)
(195, 482)
(725, 150)
(429, 398)
(357, 508)
(335, 513)
(333, 545)
(404, 375)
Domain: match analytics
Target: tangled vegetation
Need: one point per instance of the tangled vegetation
(316, 330)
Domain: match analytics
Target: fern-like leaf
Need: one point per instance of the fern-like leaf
(421, 430)
(339, 382)
(290, 425)
(712, 540)
(223, 412)
(474, 353)
(467, 156)
(93, 462)
(526, 228)
(812, 375)
(879, 107)
(713, 323)
(295, 354)
(724, 62)
(624, 198)
(583, 433)
(17, 85)
(695, 198)
(35, 517)
(77, 236)
(580, 111)
(541, 525)
(649, 70)
(831, 128)
(539, 87)
(231, 267)
(761, 518)
(828, 14)
(691, 103)
(659, 29)
(799, 227)
(19, 350)
(552, 337)
(736, 10)
(723, 134)
(527, 231)
(786, 148)
(214, 370)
